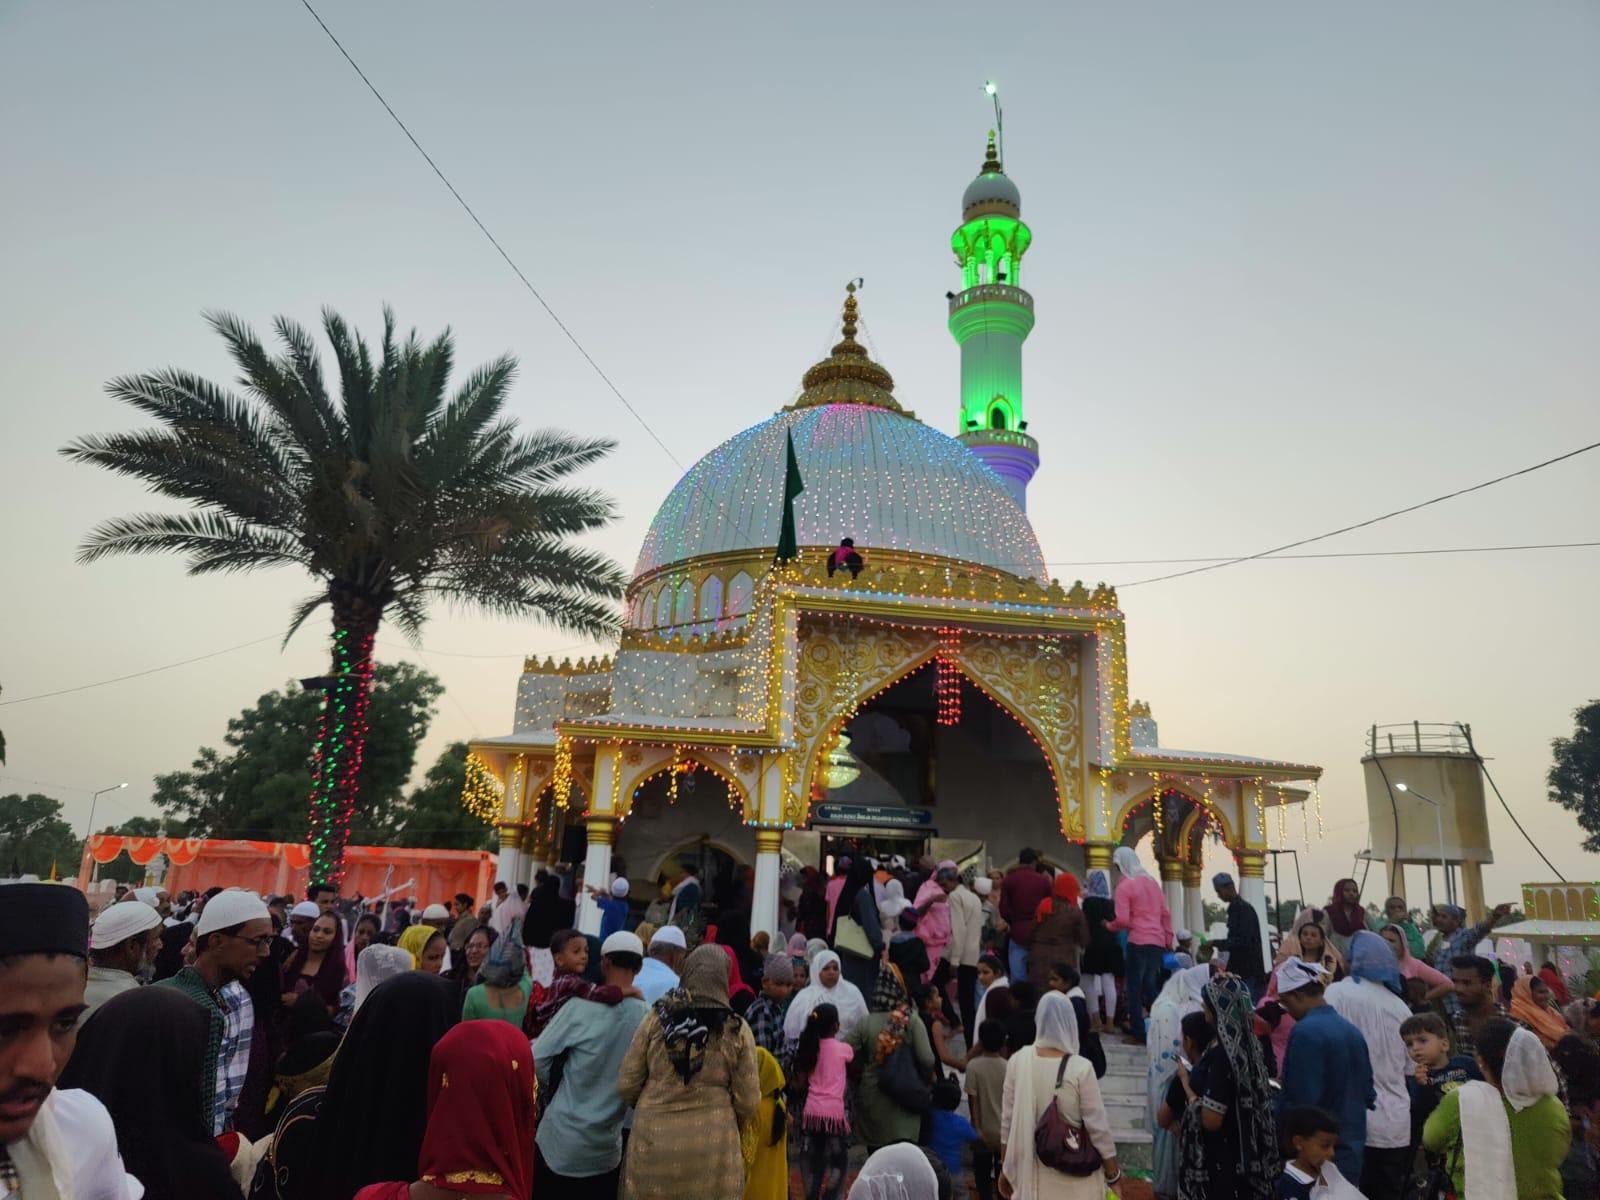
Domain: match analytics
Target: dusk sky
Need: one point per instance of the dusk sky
(1294, 266)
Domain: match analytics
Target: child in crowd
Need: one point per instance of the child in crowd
(1436, 1072)
(949, 1132)
(1196, 1034)
(986, 1085)
(931, 1006)
(570, 951)
(1064, 978)
(821, 1061)
(1310, 1137)
(765, 1014)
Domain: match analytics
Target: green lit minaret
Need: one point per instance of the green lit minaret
(990, 318)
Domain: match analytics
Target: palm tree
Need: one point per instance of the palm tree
(389, 495)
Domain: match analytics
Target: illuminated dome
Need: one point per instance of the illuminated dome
(992, 192)
(884, 479)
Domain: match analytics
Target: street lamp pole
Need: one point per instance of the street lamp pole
(992, 90)
(1438, 816)
(94, 800)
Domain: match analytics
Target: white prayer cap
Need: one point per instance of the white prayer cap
(306, 908)
(121, 921)
(667, 935)
(1296, 973)
(983, 885)
(436, 912)
(148, 895)
(619, 887)
(230, 908)
(623, 942)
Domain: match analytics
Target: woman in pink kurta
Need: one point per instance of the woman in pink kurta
(933, 915)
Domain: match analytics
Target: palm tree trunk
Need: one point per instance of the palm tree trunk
(342, 735)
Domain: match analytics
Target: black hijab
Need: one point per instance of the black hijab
(375, 1109)
(142, 1056)
(860, 876)
(546, 914)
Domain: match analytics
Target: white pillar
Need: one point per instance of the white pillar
(764, 905)
(596, 872)
(1194, 907)
(508, 868)
(1253, 887)
(1172, 889)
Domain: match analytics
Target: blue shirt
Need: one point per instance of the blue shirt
(655, 979)
(581, 1131)
(948, 1133)
(1326, 1066)
(613, 913)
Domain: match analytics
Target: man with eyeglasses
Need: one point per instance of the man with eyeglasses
(232, 937)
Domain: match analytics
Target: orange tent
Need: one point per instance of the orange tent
(195, 864)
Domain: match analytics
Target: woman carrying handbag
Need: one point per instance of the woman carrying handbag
(857, 930)
(1057, 1138)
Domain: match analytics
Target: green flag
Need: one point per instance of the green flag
(793, 485)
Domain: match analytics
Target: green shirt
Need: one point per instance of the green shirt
(880, 1121)
(1541, 1135)
(478, 1006)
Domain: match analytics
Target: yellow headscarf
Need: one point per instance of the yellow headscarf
(415, 940)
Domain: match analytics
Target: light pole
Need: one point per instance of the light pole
(1438, 816)
(94, 800)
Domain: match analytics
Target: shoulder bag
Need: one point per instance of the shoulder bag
(850, 938)
(1060, 1144)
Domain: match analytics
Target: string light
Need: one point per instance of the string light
(947, 677)
(561, 776)
(1316, 799)
(336, 754)
(480, 790)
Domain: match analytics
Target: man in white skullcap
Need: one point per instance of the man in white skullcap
(613, 905)
(579, 1142)
(232, 937)
(125, 939)
(436, 916)
(52, 1143)
(301, 918)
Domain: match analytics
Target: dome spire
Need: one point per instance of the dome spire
(848, 375)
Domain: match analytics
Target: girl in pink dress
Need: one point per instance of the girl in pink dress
(820, 1063)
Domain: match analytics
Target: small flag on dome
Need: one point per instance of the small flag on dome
(793, 485)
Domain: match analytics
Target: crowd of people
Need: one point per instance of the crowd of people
(951, 1027)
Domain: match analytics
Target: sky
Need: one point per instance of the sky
(1293, 266)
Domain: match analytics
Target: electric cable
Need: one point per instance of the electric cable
(1466, 732)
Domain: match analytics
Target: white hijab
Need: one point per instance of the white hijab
(844, 995)
(1056, 1023)
(897, 1172)
(1027, 1093)
(1525, 1077)
(1127, 861)
(1000, 981)
(377, 963)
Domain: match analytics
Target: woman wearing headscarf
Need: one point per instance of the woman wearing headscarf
(898, 1172)
(1061, 932)
(859, 944)
(1180, 996)
(1532, 1007)
(481, 1100)
(1556, 984)
(362, 934)
(417, 941)
(766, 1135)
(1102, 960)
(890, 907)
(1412, 967)
(1310, 941)
(811, 908)
(1143, 914)
(506, 987)
(1508, 1135)
(365, 1126)
(1347, 916)
(547, 915)
(827, 986)
(691, 1077)
(141, 1057)
(307, 1058)
(890, 1024)
(1228, 1135)
(1052, 1072)
(318, 965)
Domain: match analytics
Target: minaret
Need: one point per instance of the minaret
(990, 318)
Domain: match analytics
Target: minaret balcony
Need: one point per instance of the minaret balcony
(1003, 292)
(973, 438)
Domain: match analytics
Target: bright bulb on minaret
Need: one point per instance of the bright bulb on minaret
(989, 87)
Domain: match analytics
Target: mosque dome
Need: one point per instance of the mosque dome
(992, 191)
(871, 472)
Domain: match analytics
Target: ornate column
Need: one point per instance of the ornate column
(1253, 887)
(602, 833)
(1194, 907)
(508, 868)
(1172, 885)
(1097, 856)
(764, 906)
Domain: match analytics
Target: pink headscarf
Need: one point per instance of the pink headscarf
(736, 983)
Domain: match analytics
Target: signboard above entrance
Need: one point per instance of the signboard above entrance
(877, 816)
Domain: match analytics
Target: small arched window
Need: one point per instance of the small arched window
(997, 417)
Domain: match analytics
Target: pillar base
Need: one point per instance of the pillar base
(596, 871)
(1097, 855)
(764, 904)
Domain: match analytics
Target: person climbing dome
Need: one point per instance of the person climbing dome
(846, 556)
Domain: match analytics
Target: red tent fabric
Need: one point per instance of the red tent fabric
(281, 867)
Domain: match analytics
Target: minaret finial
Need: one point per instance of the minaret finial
(991, 157)
(850, 308)
(848, 375)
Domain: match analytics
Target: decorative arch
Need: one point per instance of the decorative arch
(737, 790)
(842, 665)
(739, 856)
(664, 606)
(1140, 797)
(711, 599)
(741, 594)
(683, 604)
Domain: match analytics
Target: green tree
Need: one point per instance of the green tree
(432, 814)
(256, 787)
(34, 838)
(122, 868)
(390, 493)
(1574, 776)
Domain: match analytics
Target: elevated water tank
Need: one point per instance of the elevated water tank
(1425, 807)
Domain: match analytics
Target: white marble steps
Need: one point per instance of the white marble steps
(1122, 1089)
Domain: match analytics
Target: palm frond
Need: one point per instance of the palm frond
(546, 455)
(211, 542)
(188, 468)
(305, 608)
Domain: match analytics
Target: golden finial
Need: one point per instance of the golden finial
(991, 157)
(848, 375)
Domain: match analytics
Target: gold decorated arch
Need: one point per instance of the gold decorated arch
(843, 664)
(641, 775)
(1186, 827)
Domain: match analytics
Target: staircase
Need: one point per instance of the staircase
(1123, 1092)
